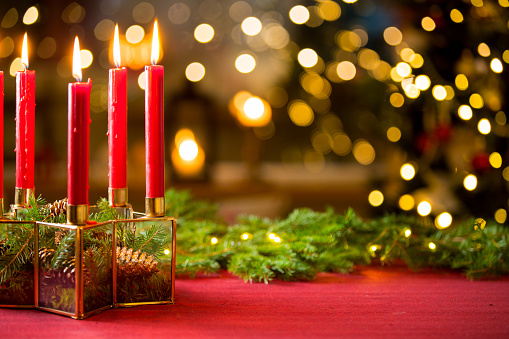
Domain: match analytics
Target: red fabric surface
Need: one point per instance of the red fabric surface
(373, 302)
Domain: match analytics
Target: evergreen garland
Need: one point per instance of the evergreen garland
(312, 242)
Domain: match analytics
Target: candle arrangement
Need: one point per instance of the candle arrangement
(71, 258)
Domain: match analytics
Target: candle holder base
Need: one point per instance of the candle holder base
(117, 197)
(77, 214)
(22, 196)
(155, 207)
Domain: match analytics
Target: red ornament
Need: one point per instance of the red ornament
(481, 163)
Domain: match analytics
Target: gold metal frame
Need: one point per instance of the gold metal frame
(117, 197)
(22, 196)
(154, 207)
(77, 214)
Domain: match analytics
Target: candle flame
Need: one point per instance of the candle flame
(116, 48)
(155, 44)
(24, 52)
(76, 61)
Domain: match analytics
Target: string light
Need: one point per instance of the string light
(443, 220)
(213, 241)
(166, 251)
(408, 233)
(432, 246)
(424, 208)
(470, 182)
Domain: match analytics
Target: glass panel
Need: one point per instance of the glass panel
(97, 267)
(16, 263)
(57, 276)
(144, 260)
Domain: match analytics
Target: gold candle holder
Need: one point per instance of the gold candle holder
(22, 196)
(155, 207)
(117, 197)
(77, 214)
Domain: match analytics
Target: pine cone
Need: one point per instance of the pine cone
(45, 256)
(135, 264)
(3, 247)
(56, 209)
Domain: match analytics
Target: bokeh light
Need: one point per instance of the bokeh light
(406, 202)
(299, 15)
(195, 71)
(393, 134)
(245, 63)
(443, 220)
(424, 208)
(393, 36)
(31, 15)
(470, 182)
(407, 171)
(483, 50)
(422, 82)
(484, 126)
(465, 112)
(251, 26)
(376, 198)
(346, 70)
(495, 160)
(134, 34)
(456, 16)
(461, 82)
(428, 24)
(363, 152)
(500, 216)
(300, 113)
(307, 57)
(439, 92)
(496, 65)
(328, 10)
(203, 33)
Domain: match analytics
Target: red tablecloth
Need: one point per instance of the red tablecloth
(373, 302)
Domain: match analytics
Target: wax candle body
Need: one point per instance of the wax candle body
(1, 135)
(154, 131)
(25, 128)
(78, 131)
(117, 128)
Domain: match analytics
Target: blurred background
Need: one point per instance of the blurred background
(383, 106)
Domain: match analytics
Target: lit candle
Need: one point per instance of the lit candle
(154, 132)
(78, 128)
(117, 129)
(1, 143)
(25, 130)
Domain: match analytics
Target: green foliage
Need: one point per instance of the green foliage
(313, 242)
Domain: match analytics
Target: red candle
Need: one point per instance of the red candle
(117, 120)
(1, 136)
(25, 123)
(78, 128)
(154, 123)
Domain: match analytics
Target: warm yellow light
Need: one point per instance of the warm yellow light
(456, 16)
(476, 101)
(406, 54)
(368, 58)
(483, 50)
(300, 113)
(329, 10)
(376, 198)
(393, 134)
(154, 56)
(408, 233)
(412, 91)
(251, 26)
(134, 34)
(501, 215)
(495, 160)
(203, 33)
(496, 65)
(407, 171)
(428, 24)
(341, 144)
(166, 251)
(31, 15)
(484, 126)
(16, 66)
(307, 57)
(416, 61)
(396, 99)
(213, 241)
(470, 182)
(245, 63)
(86, 58)
(76, 61)
(346, 70)
(24, 52)
(403, 69)
(188, 150)
(500, 117)
(254, 108)
(432, 246)
(449, 92)
(505, 56)
(422, 82)
(505, 174)
(503, 3)
(406, 202)
(424, 208)
(195, 72)
(277, 239)
(116, 48)
(393, 36)
(443, 220)
(373, 248)
(363, 152)
(244, 236)
(299, 15)
(465, 112)
(141, 80)
(461, 82)
(395, 76)
(272, 236)
(439, 92)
